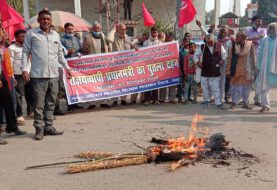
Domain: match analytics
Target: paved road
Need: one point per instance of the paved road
(116, 130)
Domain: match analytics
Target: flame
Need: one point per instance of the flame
(191, 147)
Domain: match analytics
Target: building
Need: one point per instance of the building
(164, 10)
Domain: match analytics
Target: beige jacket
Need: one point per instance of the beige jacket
(89, 44)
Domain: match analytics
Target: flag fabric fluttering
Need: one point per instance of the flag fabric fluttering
(187, 13)
(4, 10)
(11, 19)
(148, 19)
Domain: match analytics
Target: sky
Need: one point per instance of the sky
(225, 5)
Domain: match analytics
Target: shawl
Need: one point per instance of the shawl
(248, 51)
(263, 80)
(6, 65)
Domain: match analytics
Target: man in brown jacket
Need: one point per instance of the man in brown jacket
(242, 67)
(96, 43)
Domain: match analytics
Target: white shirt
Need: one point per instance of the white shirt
(198, 54)
(151, 41)
(15, 51)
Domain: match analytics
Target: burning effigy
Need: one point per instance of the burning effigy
(199, 147)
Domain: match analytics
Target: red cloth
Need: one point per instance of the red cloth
(4, 10)
(230, 22)
(14, 23)
(148, 19)
(187, 13)
(189, 65)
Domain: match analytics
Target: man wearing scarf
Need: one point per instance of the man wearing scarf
(96, 43)
(210, 57)
(242, 70)
(267, 65)
(120, 42)
(224, 83)
(256, 34)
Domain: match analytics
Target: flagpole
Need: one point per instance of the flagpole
(178, 32)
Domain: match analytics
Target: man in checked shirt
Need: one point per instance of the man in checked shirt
(44, 45)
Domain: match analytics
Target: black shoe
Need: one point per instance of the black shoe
(114, 104)
(52, 131)
(190, 100)
(39, 134)
(124, 103)
(264, 109)
(105, 106)
(258, 104)
(69, 109)
(133, 102)
(220, 106)
(17, 132)
(59, 113)
(247, 106)
(75, 106)
(91, 107)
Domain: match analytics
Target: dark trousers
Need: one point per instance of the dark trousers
(151, 95)
(227, 87)
(61, 91)
(22, 89)
(20, 92)
(29, 96)
(8, 105)
(45, 92)
(127, 9)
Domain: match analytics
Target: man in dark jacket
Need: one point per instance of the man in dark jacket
(210, 57)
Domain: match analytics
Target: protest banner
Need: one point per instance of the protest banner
(103, 76)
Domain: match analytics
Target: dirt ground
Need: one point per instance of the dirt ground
(117, 129)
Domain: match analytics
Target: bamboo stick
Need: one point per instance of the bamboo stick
(106, 164)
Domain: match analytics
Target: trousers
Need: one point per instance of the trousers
(211, 83)
(45, 94)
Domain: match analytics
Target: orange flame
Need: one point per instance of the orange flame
(191, 146)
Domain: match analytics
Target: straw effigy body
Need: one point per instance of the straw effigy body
(106, 164)
(90, 154)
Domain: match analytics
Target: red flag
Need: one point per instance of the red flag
(148, 19)
(230, 22)
(187, 13)
(4, 10)
(14, 23)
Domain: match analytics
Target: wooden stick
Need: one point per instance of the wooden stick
(97, 158)
(55, 164)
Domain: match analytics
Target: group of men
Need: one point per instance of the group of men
(33, 67)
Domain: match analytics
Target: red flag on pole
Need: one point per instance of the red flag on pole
(187, 13)
(14, 23)
(4, 10)
(148, 19)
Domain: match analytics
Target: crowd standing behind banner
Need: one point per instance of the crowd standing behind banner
(228, 66)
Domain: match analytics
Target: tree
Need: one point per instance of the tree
(267, 10)
(18, 6)
(209, 19)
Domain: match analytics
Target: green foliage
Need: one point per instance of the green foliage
(18, 6)
(266, 9)
(162, 26)
(209, 18)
